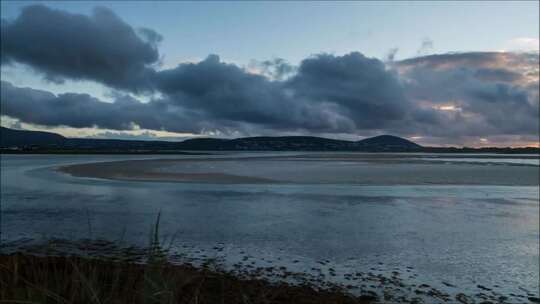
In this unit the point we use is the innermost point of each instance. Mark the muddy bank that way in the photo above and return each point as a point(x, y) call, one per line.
point(91, 270)
point(73, 279)
point(304, 169)
point(145, 170)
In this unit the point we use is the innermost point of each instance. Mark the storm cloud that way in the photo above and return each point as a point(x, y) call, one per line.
point(360, 87)
point(221, 96)
point(84, 111)
point(440, 96)
point(328, 93)
point(100, 47)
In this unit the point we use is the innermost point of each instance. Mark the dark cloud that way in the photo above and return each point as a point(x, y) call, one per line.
point(84, 111)
point(100, 47)
point(227, 93)
point(492, 93)
point(361, 88)
point(328, 93)
point(443, 96)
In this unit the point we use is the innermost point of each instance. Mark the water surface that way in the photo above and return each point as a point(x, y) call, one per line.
point(464, 235)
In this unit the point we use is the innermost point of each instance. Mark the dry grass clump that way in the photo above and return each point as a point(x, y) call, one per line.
point(32, 279)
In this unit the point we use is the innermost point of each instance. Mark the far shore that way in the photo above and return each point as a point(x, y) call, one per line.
point(105, 152)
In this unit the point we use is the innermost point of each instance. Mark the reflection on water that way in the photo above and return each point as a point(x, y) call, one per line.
point(466, 235)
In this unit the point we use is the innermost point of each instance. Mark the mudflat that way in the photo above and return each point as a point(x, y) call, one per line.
point(145, 170)
point(311, 169)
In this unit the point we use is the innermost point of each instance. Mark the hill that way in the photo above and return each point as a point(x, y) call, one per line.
point(266, 143)
point(45, 140)
point(16, 138)
point(389, 142)
point(36, 141)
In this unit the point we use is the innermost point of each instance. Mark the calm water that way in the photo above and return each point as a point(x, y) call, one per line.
point(463, 235)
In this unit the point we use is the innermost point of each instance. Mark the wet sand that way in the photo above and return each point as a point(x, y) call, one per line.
point(310, 169)
point(144, 170)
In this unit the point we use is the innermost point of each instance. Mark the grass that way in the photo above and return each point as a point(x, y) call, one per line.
point(33, 279)
point(27, 278)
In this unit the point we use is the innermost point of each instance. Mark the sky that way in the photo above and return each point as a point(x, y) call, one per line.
point(440, 73)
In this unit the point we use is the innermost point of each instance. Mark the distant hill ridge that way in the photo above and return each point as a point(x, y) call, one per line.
point(310, 143)
point(37, 141)
point(20, 138)
point(11, 137)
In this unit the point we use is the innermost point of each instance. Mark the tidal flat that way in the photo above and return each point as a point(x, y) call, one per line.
point(401, 227)
point(353, 169)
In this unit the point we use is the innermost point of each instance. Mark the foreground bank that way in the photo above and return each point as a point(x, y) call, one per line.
point(33, 279)
point(100, 271)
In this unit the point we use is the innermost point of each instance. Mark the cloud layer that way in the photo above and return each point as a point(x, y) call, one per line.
point(439, 96)
point(478, 93)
